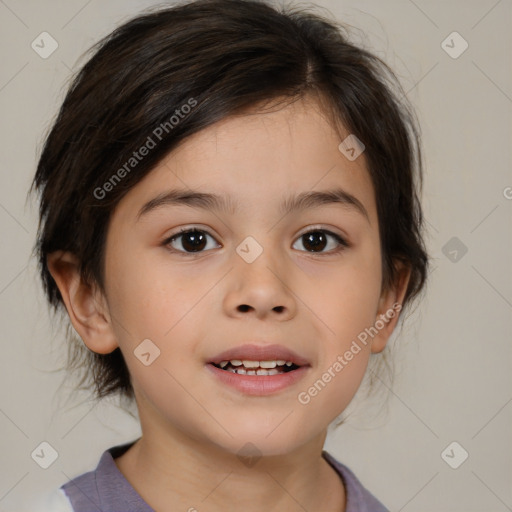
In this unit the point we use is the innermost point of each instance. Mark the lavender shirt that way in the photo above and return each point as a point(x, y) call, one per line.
point(106, 489)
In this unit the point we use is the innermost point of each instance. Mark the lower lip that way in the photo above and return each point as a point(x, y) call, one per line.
point(259, 385)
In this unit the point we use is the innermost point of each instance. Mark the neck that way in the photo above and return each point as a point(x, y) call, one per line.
point(180, 473)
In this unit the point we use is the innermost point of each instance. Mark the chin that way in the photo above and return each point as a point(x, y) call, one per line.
point(261, 441)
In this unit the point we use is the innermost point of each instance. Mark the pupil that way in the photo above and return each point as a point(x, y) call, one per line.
point(197, 241)
point(315, 239)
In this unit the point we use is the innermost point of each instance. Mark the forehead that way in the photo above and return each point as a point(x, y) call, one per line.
point(258, 158)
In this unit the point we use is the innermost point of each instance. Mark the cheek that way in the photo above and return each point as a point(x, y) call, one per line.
point(332, 389)
point(149, 298)
point(346, 296)
point(154, 302)
point(346, 302)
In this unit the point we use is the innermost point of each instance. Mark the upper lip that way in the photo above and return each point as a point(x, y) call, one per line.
point(253, 352)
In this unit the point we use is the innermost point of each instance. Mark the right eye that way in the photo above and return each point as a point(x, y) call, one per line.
point(191, 240)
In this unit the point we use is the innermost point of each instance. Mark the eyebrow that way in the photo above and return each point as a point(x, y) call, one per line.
point(208, 201)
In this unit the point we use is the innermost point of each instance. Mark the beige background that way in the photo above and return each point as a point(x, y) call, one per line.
point(453, 359)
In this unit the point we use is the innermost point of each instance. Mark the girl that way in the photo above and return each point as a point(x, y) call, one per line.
point(229, 215)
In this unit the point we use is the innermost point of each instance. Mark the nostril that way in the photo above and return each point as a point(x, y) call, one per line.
point(244, 308)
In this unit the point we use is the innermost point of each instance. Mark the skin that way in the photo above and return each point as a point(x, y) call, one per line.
point(315, 303)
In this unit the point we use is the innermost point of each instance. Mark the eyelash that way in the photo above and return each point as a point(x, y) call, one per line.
point(343, 244)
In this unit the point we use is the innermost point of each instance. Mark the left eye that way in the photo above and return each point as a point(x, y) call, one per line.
point(316, 241)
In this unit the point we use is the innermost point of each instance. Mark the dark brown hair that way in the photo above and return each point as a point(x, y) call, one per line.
point(224, 57)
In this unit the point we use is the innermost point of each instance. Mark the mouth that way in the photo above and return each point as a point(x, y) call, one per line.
point(250, 359)
point(259, 370)
point(248, 367)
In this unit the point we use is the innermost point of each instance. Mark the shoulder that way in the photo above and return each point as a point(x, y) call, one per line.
point(104, 488)
point(359, 499)
point(53, 501)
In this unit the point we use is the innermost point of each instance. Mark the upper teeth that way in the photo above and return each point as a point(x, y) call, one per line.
point(256, 364)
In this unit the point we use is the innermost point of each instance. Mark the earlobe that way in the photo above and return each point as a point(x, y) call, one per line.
point(390, 305)
point(85, 305)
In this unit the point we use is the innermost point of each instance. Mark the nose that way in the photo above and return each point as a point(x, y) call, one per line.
point(261, 288)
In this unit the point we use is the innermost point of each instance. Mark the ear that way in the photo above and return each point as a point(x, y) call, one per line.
point(390, 305)
point(86, 305)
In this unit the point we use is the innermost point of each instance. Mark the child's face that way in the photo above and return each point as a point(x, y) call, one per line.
point(195, 305)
